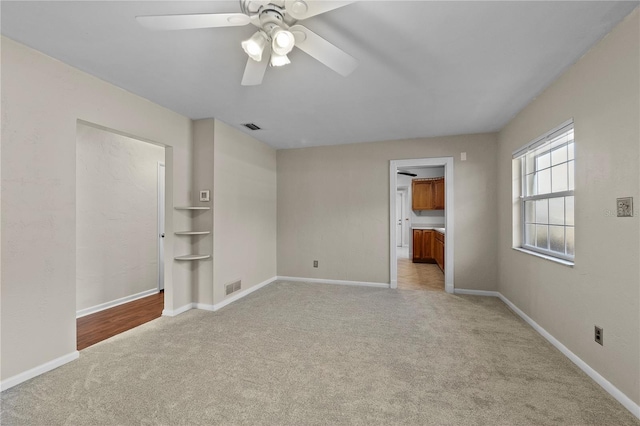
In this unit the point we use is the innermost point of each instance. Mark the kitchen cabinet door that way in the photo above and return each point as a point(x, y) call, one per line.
point(422, 194)
point(427, 194)
point(438, 194)
point(423, 245)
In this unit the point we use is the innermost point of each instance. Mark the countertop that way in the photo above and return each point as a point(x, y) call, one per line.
point(438, 228)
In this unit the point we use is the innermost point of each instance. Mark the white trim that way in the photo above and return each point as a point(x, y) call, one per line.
point(545, 256)
point(604, 383)
point(101, 307)
point(203, 306)
point(242, 294)
point(540, 139)
point(175, 312)
point(36, 371)
point(447, 162)
point(338, 282)
point(161, 213)
point(217, 306)
point(623, 399)
point(476, 292)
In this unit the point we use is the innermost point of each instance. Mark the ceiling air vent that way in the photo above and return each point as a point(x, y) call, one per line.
point(251, 126)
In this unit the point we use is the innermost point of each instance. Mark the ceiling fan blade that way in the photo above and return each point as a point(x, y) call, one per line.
point(189, 22)
point(325, 52)
point(303, 9)
point(254, 71)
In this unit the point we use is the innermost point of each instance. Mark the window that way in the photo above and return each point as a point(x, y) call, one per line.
point(546, 199)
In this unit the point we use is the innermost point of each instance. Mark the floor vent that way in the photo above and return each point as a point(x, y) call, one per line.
point(251, 126)
point(232, 287)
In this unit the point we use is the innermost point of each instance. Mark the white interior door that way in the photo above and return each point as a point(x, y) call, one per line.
point(160, 226)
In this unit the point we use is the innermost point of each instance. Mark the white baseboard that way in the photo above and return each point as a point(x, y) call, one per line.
point(203, 306)
point(173, 313)
point(606, 385)
point(101, 307)
point(623, 399)
point(217, 306)
point(340, 282)
point(36, 371)
point(476, 292)
point(242, 294)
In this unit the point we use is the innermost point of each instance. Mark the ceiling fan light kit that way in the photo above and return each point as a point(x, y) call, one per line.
point(279, 60)
point(278, 33)
point(283, 41)
point(254, 47)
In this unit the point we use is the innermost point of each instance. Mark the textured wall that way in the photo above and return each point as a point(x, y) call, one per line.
point(601, 93)
point(203, 220)
point(116, 216)
point(244, 210)
point(333, 206)
point(42, 100)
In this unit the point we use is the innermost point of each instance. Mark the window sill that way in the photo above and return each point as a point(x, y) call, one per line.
point(544, 256)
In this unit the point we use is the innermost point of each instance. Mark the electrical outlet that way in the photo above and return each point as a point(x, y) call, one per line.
point(625, 207)
point(315, 263)
point(599, 335)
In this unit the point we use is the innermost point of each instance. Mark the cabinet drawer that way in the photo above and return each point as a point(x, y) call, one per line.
point(439, 236)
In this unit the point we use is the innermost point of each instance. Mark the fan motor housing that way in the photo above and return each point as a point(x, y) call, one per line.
point(270, 13)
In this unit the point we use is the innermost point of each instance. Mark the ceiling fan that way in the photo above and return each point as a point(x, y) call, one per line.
point(278, 33)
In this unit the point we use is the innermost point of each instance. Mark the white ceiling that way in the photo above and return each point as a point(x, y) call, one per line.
point(427, 68)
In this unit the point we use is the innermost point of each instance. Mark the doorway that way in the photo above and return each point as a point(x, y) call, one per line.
point(445, 241)
point(120, 217)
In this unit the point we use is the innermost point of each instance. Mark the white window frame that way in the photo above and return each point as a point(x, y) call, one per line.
point(520, 155)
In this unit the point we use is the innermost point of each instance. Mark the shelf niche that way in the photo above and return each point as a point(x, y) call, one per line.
point(192, 257)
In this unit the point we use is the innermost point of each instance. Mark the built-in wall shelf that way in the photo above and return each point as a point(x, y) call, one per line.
point(193, 257)
point(192, 208)
point(192, 233)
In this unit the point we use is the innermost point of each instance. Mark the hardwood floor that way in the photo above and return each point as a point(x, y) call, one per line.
point(97, 327)
point(419, 276)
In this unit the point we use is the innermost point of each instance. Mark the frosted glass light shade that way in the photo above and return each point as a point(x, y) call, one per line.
point(282, 41)
point(255, 45)
point(279, 60)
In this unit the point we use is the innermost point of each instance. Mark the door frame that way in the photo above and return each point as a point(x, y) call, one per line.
point(394, 165)
point(161, 218)
point(403, 205)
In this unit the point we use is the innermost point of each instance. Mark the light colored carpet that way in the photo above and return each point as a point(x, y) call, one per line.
point(307, 354)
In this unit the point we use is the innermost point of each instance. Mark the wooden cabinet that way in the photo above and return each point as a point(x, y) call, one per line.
point(421, 194)
point(438, 194)
point(423, 245)
point(438, 249)
point(427, 194)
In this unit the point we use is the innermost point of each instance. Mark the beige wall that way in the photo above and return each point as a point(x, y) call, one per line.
point(333, 206)
point(244, 210)
point(203, 147)
point(42, 99)
point(116, 216)
point(602, 94)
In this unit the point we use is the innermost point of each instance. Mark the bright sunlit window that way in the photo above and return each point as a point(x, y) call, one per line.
point(546, 195)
